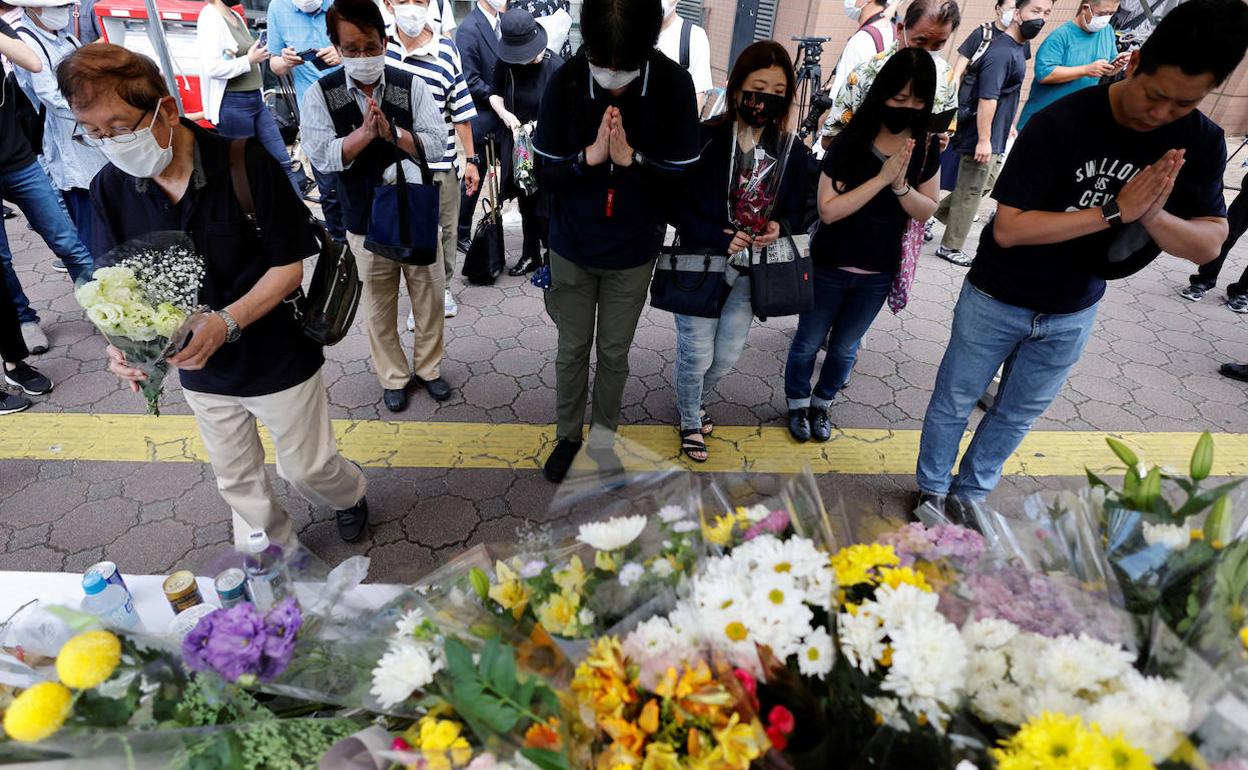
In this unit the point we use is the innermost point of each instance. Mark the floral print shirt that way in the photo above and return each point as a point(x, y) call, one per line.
point(860, 80)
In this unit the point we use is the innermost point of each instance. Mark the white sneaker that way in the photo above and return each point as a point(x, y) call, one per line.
point(411, 322)
point(59, 266)
point(448, 301)
point(36, 340)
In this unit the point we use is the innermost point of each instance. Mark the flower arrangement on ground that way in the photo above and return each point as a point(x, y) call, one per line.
point(142, 302)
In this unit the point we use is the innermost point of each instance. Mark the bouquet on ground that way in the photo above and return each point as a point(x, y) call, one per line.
point(142, 302)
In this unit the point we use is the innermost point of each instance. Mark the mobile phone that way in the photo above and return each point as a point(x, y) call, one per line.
point(941, 121)
point(264, 38)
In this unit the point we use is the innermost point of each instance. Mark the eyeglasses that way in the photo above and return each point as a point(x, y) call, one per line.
point(360, 53)
point(118, 135)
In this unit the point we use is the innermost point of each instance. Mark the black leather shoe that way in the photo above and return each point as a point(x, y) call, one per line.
point(1235, 371)
point(820, 424)
point(354, 521)
point(395, 399)
point(927, 507)
point(799, 425)
point(560, 460)
point(437, 388)
point(8, 213)
point(525, 266)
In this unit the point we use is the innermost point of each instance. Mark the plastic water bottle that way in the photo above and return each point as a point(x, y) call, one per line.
point(109, 602)
point(266, 571)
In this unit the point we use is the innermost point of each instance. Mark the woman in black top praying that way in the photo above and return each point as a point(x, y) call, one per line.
point(878, 174)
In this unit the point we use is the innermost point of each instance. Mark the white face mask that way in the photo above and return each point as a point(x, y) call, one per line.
point(1007, 17)
point(1098, 23)
point(364, 69)
point(497, 5)
point(308, 6)
point(55, 18)
point(613, 80)
point(142, 156)
point(852, 10)
point(669, 8)
point(410, 19)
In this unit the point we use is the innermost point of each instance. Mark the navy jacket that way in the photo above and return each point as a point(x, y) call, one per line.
point(702, 215)
point(478, 51)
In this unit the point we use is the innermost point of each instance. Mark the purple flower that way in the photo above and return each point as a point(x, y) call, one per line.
point(775, 524)
point(281, 628)
point(915, 542)
point(229, 642)
point(195, 643)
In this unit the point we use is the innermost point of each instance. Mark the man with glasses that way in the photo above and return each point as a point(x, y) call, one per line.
point(247, 359)
point(24, 184)
point(357, 122)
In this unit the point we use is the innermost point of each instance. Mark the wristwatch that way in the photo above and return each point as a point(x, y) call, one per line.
point(474, 160)
point(232, 330)
point(1112, 214)
point(638, 158)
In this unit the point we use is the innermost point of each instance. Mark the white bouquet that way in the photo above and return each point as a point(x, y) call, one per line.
point(142, 303)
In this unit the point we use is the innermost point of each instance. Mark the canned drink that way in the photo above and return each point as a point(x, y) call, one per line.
point(231, 587)
point(185, 621)
point(108, 570)
point(182, 591)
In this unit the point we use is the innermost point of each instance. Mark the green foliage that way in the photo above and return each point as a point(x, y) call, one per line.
point(1146, 493)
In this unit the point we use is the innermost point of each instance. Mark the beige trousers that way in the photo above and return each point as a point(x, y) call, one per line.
point(307, 455)
point(380, 306)
point(448, 220)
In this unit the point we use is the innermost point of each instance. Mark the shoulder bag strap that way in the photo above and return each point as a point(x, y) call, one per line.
point(242, 187)
point(876, 36)
point(686, 38)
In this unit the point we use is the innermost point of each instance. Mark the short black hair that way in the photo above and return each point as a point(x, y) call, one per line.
point(362, 13)
point(943, 11)
point(1199, 37)
point(620, 34)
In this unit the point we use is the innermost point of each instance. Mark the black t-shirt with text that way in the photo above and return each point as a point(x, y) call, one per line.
point(972, 42)
point(997, 75)
point(273, 353)
point(870, 238)
point(1071, 156)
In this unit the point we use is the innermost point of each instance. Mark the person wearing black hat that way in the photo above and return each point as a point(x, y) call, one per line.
point(524, 69)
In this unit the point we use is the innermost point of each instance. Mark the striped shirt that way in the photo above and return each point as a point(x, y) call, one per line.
point(437, 63)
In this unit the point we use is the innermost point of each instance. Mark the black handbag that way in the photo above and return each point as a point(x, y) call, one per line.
point(403, 225)
point(782, 277)
point(690, 281)
point(326, 311)
point(486, 255)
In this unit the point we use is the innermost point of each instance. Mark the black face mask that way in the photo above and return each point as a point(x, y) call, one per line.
point(758, 108)
point(1030, 28)
point(898, 119)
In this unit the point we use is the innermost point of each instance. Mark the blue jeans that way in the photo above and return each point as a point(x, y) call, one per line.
point(327, 185)
point(1037, 350)
point(243, 115)
point(78, 204)
point(707, 349)
point(845, 305)
point(30, 190)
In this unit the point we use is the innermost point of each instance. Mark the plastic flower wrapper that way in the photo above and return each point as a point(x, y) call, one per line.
point(141, 298)
point(626, 542)
point(695, 716)
point(1219, 630)
point(526, 180)
point(756, 176)
point(746, 506)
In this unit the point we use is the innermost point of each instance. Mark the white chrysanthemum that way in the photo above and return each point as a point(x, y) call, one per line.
point(612, 534)
point(928, 667)
point(890, 712)
point(672, 513)
point(409, 624)
point(1002, 703)
point(985, 668)
point(657, 645)
point(821, 588)
point(630, 573)
point(1150, 713)
point(779, 601)
point(586, 617)
point(403, 670)
point(816, 655)
point(686, 526)
point(862, 640)
point(1084, 663)
point(756, 513)
point(662, 568)
point(989, 633)
point(1173, 536)
point(893, 605)
point(1053, 699)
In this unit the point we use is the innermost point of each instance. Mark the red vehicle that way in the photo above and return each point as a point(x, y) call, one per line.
point(125, 23)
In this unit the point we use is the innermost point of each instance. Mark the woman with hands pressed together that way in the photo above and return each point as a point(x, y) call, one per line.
point(760, 94)
point(617, 131)
point(879, 173)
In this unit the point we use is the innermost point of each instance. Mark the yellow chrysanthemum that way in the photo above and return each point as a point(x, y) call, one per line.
point(854, 565)
point(720, 532)
point(441, 743)
point(897, 576)
point(1122, 755)
point(38, 712)
point(88, 660)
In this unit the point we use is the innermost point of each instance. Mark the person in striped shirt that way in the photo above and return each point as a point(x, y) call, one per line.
point(435, 59)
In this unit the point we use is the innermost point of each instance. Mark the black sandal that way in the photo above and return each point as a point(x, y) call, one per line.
point(688, 446)
point(708, 425)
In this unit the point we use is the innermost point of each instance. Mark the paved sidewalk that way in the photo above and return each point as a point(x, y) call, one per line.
point(1151, 366)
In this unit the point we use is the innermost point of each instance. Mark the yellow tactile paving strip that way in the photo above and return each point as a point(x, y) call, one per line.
point(173, 438)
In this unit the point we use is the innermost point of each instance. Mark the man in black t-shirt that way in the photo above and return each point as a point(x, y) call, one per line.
point(987, 105)
point(1097, 185)
point(247, 359)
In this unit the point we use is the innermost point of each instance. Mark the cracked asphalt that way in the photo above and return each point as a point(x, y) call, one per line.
point(1151, 366)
